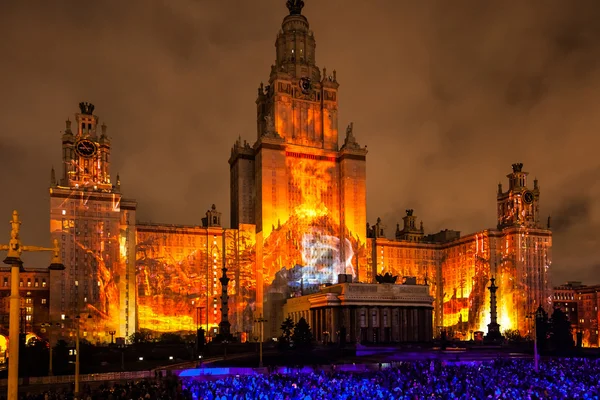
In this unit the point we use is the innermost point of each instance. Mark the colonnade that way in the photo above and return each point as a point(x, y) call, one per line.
point(370, 324)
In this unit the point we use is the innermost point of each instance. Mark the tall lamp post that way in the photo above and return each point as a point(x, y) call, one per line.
point(260, 320)
point(77, 362)
point(13, 258)
point(50, 326)
point(112, 336)
point(200, 346)
point(535, 316)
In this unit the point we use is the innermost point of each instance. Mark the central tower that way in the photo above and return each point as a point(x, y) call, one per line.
point(301, 101)
point(304, 193)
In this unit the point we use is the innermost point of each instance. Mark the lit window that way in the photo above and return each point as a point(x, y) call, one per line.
point(43, 283)
point(64, 212)
point(44, 301)
point(28, 317)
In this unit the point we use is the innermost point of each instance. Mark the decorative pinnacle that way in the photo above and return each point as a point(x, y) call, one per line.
point(295, 6)
point(86, 108)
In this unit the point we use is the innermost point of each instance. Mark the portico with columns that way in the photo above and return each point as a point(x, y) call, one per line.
point(370, 313)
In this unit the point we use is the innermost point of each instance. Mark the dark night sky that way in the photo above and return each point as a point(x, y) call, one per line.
point(447, 95)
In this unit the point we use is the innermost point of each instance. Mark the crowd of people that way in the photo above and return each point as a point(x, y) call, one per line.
point(160, 389)
point(500, 379)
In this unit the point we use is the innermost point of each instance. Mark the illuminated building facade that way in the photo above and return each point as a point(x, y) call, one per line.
point(298, 215)
point(34, 287)
point(305, 194)
point(582, 305)
point(178, 271)
point(458, 268)
point(95, 227)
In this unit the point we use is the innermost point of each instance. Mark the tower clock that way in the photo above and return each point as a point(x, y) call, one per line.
point(519, 205)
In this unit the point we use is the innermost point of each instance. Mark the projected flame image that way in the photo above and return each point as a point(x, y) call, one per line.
point(177, 279)
point(312, 240)
point(458, 271)
point(298, 222)
point(96, 238)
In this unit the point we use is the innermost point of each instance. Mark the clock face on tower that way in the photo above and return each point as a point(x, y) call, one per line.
point(305, 85)
point(86, 148)
point(528, 197)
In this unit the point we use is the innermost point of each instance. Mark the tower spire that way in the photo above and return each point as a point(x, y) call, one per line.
point(52, 177)
point(295, 6)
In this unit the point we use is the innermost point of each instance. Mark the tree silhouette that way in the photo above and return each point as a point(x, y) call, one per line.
point(60, 358)
point(171, 338)
point(541, 328)
point(302, 336)
point(143, 336)
point(287, 329)
point(513, 336)
point(560, 330)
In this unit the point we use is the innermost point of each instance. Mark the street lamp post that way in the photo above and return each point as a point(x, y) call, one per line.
point(112, 336)
point(50, 326)
point(535, 316)
point(535, 345)
point(13, 258)
point(77, 362)
point(260, 320)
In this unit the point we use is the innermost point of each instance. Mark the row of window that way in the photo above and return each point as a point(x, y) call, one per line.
point(29, 282)
point(29, 300)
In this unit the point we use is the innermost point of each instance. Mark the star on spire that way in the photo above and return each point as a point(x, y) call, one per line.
point(295, 6)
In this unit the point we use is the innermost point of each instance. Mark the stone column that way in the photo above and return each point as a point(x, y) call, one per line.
point(404, 325)
point(224, 325)
point(335, 324)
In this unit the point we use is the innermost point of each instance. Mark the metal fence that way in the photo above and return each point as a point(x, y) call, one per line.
point(62, 379)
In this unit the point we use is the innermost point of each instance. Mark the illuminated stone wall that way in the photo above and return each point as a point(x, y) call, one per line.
point(404, 258)
point(310, 231)
point(96, 232)
point(176, 275)
point(458, 273)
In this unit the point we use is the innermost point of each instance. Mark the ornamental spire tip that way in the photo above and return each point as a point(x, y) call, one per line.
point(295, 6)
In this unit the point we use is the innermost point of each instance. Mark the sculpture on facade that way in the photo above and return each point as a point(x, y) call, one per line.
point(386, 278)
point(269, 124)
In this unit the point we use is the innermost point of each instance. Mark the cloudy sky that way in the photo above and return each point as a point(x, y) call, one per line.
point(446, 94)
